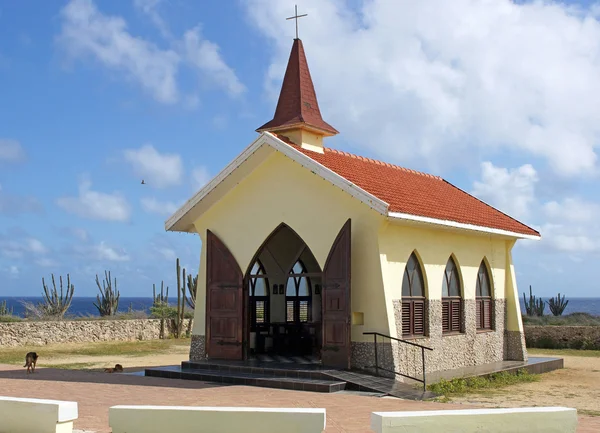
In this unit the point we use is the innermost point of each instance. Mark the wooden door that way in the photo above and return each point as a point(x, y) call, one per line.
point(336, 303)
point(224, 302)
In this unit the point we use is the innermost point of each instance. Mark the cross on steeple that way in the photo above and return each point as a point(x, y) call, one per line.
point(295, 17)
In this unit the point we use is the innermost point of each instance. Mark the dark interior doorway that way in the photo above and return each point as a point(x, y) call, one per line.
point(283, 288)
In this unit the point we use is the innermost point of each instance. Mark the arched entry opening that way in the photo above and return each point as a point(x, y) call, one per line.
point(295, 309)
point(283, 287)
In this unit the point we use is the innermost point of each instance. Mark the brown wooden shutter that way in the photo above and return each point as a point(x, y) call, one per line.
point(418, 318)
point(479, 312)
point(445, 316)
point(455, 316)
point(487, 310)
point(406, 319)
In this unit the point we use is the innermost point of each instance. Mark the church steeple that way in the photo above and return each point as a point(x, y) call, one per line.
point(297, 115)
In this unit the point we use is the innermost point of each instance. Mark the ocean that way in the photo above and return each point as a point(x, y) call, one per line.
point(83, 306)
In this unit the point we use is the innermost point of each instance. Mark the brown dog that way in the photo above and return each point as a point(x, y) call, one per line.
point(30, 361)
point(118, 369)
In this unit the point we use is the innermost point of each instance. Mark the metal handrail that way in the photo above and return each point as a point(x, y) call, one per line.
point(423, 348)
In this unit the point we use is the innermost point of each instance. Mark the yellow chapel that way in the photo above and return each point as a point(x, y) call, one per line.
point(311, 254)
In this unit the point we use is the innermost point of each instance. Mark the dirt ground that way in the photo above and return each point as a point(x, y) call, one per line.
point(577, 385)
point(129, 362)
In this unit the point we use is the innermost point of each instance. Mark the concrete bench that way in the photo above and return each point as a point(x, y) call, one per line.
point(184, 419)
point(31, 415)
point(518, 420)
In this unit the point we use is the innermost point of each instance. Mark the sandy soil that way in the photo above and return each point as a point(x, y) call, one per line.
point(577, 385)
point(129, 363)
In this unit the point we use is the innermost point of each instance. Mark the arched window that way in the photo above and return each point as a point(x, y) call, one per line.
point(451, 299)
point(298, 295)
point(259, 297)
point(483, 293)
point(413, 299)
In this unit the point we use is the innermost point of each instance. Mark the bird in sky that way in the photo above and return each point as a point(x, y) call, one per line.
point(143, 182)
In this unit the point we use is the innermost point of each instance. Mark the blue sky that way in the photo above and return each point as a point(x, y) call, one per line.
point(500, 99)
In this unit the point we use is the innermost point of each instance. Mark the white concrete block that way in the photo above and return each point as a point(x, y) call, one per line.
point(517, 420)
point(31, 415)
point(184, 419)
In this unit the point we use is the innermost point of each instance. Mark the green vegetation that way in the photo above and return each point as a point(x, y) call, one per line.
point(553, 343)
point(573, 319)
point(16, 355)
point(535, 307)
point(10, 319)
point(7, 314)
point(588, 412)
point(557, 305)
point(54, 306)
point(108, 299)
point(476, 384)
point(565, 352)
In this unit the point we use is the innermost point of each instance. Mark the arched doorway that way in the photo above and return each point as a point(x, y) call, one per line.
point(283, 287)
point(305, 311)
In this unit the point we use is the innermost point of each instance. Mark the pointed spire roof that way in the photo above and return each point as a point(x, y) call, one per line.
point(297, 105)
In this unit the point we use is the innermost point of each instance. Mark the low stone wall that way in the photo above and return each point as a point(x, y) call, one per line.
point(80, 331)
point(563, 337)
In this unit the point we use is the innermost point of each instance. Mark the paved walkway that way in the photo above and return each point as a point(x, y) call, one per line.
point(96, 392)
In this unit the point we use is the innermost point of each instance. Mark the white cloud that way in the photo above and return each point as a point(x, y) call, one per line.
point(152, 205)
point(149, 7)
point(13, 271)
point(205, 56)
point(441, 81)
point(571, 225)
point(158, 170)
point(87, 31)
point(200, 177)
point(96, 205)
point(46, 262)
point(80, 234)
point(11, 204)
point(11, 151)
point(572, 209)
point(101, 252)
point(510, 191)
point(36, 246)
point(17, 248)
point(166, 253)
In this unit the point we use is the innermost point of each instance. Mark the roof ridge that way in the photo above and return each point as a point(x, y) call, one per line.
point(386, 164)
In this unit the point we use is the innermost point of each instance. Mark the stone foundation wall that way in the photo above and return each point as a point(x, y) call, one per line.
point(17, 334)
point(576, 337)
point(469, 348)
point(198, 348)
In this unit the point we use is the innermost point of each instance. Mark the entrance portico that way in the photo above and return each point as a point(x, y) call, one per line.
point(284, 304)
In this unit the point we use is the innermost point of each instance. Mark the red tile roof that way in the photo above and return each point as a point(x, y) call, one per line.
point(297, 102)
point(415, 193)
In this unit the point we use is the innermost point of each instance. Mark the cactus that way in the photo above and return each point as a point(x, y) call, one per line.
point(535, 307)
point(191, 289)
point(161, 298)
point(557, 305)
point(160, 306)
point(178, 323)
point(108, 299)
point(4, 310)
point(54, 305)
